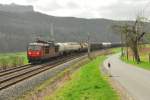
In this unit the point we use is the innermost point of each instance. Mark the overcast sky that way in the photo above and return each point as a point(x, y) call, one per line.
point(112, 9)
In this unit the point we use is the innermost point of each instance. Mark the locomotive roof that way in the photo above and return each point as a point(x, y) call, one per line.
point(39, 44)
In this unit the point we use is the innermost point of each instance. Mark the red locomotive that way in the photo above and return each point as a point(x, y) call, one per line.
point(40, 50)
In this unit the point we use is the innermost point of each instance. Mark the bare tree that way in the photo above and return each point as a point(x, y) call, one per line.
point(133, 34)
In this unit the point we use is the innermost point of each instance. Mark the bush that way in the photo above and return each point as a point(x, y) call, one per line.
point(4, 63)
point(21, 61)
point(14, 61)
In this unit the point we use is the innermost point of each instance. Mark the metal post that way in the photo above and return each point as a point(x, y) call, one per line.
point(149, 57)
point(127, 53)
point(122, 45)
point(89, 46)
point(52, 33)
point(127, 47)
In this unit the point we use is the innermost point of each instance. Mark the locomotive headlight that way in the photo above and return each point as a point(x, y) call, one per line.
point(37, 53)
point(29, 53)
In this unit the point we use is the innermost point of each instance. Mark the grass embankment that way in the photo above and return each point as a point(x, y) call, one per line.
point(13, 59)
point(87, 83)
point(116, 50)
point(144, 52)
point(143, 64)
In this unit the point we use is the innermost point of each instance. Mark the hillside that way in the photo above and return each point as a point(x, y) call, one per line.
point(15, 8)
point(21, 27)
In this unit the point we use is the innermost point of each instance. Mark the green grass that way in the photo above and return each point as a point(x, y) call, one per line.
point(116, 50)
point(144, 59)
point(143, 64)
point(9, 57)
point(86, 84)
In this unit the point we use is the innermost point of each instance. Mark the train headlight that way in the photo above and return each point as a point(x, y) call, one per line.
point(37, 53)
point(29, 53)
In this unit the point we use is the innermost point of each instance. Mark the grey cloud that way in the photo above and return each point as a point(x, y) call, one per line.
point(50, 6)
point(31, 1)
point(72, 5)
point(86, 14)
point(122, 10)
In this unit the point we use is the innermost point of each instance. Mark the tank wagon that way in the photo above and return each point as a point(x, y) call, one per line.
point(96, 46)
point(68, 47)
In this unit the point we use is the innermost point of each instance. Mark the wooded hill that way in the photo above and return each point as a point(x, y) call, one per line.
point(19, 28)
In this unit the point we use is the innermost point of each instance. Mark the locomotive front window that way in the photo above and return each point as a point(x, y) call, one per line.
point(34, 47)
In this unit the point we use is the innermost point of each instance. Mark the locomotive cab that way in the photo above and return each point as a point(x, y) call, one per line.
point(34, 52)
point(41, 51)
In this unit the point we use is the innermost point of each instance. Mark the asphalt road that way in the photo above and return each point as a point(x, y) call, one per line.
point(135, 80)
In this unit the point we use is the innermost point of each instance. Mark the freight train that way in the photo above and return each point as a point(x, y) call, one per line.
point(40, 50)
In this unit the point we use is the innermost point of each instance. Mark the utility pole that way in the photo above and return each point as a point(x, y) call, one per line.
point(122, 45)
point(89, 46)
point(33, 37)
point(127, 46)
point(52, 32)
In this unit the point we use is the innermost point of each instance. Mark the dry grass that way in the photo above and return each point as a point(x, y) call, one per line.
point(144, 52)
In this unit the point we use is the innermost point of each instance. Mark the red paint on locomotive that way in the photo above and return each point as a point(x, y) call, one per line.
point(33, 54)
point(40, 51)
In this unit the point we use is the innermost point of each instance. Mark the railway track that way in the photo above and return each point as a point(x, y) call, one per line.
point(15, 69)
point(18, 74)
